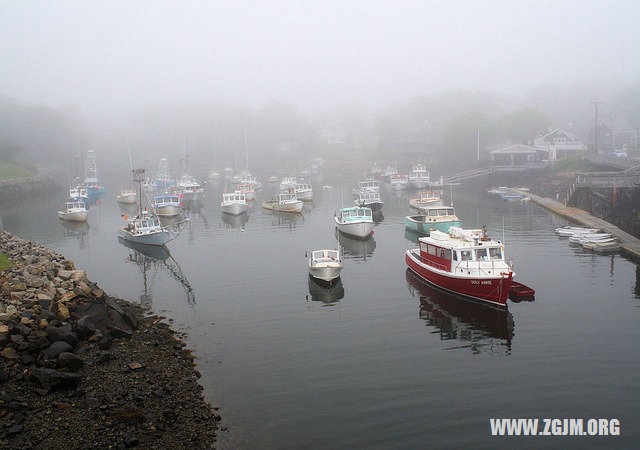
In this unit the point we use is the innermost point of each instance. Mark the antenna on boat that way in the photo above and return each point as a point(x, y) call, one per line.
point(129, 150)
point(502, 230)
point(451, 187)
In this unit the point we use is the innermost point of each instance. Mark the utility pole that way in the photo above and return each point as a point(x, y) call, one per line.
point(596, 103)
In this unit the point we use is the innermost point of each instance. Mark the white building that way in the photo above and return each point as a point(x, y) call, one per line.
point(559, 143)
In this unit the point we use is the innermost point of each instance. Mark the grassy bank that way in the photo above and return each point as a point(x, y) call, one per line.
point(10, 171)
point(5, 262)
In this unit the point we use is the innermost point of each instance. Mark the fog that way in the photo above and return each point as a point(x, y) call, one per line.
point(195, 74)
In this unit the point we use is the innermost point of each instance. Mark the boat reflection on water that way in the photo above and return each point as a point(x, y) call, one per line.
point(412, 235)
point(353, 248)
point(156, 258)
point(231, 221)
point(282, 219)
point(324, 292)
point(77, 230)
point(481, 328)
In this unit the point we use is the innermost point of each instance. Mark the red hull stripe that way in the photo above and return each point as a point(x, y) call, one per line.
point(495, 293)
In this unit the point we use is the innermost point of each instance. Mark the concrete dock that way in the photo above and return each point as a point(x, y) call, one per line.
point(630, 245)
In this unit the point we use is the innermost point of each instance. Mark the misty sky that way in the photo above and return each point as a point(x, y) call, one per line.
point(125, 54)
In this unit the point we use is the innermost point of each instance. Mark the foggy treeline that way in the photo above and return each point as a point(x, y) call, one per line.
point(214, 133)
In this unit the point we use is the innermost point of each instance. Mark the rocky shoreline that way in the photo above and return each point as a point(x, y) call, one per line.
point(81, 369)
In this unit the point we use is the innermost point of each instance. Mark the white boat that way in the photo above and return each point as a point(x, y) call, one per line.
point(367, 185)
point(571, 231)
point(325, 265)
point(168, 205)
point(288, 183)
point(75, 211)
point(127, 197)
point(248, 190)
point(592, 237)
point(419, 177)
point(389, 171)
point(605, 246)
point(189, 188)
point(78, 194)
point(273, 179)
point(399, 182)
point(354, 221)
point(253, 181)
point(146, 230)
point(427, 198)
point(213, 174)
point(234, 203)
point(326, 187)
point(286, 202)
point(369, 199)
point(304, 191)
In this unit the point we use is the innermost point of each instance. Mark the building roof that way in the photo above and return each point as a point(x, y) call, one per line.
point(524, 149)
point(556, 133)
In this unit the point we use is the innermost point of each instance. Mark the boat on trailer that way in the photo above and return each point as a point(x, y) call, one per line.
point(325, 265)
point(465, 262)
point(285, 202)
point(75, 211)
point(432, 218)
point(355, 221)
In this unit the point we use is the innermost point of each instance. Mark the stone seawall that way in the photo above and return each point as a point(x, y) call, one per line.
point(40, 185)
point(80, 369)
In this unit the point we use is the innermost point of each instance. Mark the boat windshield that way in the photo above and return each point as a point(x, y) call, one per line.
point(465, 255)
point(332, 254)
point(495, 253)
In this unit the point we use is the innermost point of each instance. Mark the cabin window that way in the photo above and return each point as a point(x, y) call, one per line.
point(423, 247)
point(332, 254)
point(481, 254)
point(455, 255)
point(446, 253)
point(465, 255)
point(442, 212)
point(433, 212)
point(432, 249)
point(495, 253)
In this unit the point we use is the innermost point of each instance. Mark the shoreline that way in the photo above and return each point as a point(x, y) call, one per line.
point(630, 244)
point(81, 369)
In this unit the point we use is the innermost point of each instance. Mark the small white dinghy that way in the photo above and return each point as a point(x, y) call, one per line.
point(74, 212)
point(325, 265)
point(285, 202)
point(582, 238)
point(572, 231)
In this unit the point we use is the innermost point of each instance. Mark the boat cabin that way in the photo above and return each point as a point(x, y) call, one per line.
point(466, 254)
point(167, 200)
point(368, 185)
point(74, 206)
point(325, 256)
point(144, 225)
point(419, 168)
point(433, 213)
point(353, 214)
point(368, 196)
point(234, 197)
point(287, 198)
point(78, 192)
point(303, 187)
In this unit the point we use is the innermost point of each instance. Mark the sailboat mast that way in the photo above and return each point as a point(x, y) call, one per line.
point(246, 149)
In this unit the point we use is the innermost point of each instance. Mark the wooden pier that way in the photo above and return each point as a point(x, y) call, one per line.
point(630, 244)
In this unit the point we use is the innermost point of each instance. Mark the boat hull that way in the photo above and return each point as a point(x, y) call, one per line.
point(168, 211)
point(289, 207)
point(494, 291)
point(427, 227)
point(235, 209)
point(419, 184)
point(159, 238)
point(326, 274)
point(376, 207)
point(79, 216)
point(305, 195)
point(358, 229)
point(129, 199)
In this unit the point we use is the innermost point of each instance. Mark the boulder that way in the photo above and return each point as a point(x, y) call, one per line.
point(63, 312)
point(55, 334)
point(54, 379)
point(70, 361)
point(55, 349)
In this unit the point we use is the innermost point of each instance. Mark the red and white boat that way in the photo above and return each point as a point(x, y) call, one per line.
point(465, 262)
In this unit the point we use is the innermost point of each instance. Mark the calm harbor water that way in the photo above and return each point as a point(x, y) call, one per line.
point(381, 360)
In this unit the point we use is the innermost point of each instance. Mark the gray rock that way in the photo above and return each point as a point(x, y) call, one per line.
point(55, 349)
point(70, 361)
point(55, 334)
point(54, 379)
